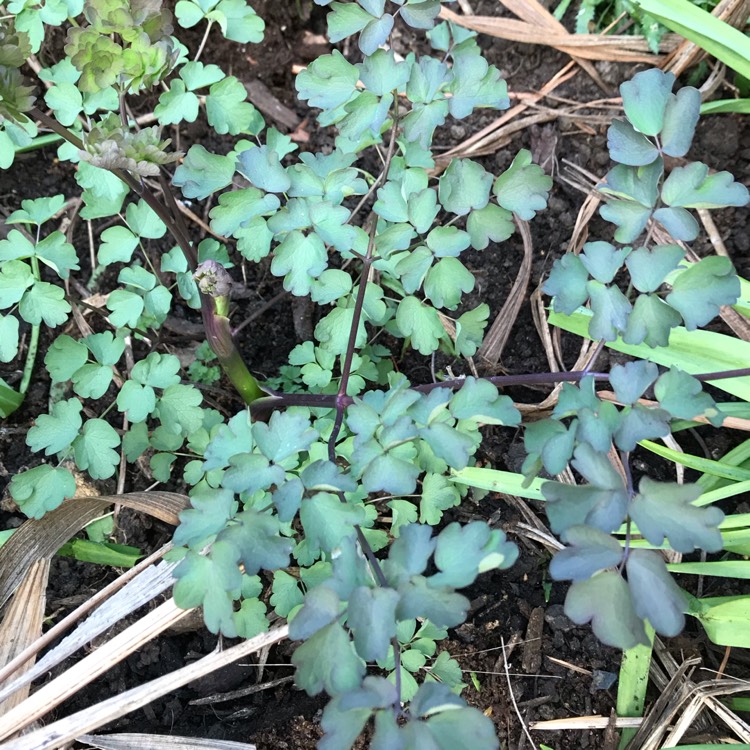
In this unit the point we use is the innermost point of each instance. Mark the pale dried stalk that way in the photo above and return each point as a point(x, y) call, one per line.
point(67, 729)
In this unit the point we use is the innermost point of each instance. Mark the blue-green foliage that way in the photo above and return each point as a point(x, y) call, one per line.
point(664, 291)
point(298, 506)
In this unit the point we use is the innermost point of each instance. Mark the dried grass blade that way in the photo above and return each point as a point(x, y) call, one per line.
point(141, 590)
point(70, 619)
point(22, 623)
point(496, 338)
point(40, 538)
point(67, 729)
point(89, 668)
point(131, 741)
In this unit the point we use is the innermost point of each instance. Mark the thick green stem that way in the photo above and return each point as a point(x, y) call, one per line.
point(215, 322)
point(215, 286)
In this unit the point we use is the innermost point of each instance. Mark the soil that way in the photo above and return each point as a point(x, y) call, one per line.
point(555, 668)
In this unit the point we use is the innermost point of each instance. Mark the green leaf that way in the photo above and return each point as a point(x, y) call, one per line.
point(286, 593)
point(372, 620)
point(103, 192)
point(66, 101)
point(589, 550)
point(328, 82)
point(446, 282)
point(447, 241)
point(321, 607)
point(602, 260)
point(693, 187)
point(611, 310)
point(409, 554)
point(419, 125)
point(631, 380)
point(94, 449)
point(179, 409)
point(656, 596)
point(463, 725)
point(118, 244)
point(327, 661)
point(649, 268)
point(286, 434)
point(207, 581)
point(8, 337)
point(420, 324)
point(202, 173)
point(256, 536)
point(157, 370)
point(345, 20)
point(683, 397)
point(679, 222)
point(639, 184)
point(602, 505)
point(464, 186)
point(143, 221)
point(326, 521)
point(627, 146)
point(438, 494)
point(470, 330)
point(126, 308)
point(228, 440)
point(698, 292)
point(680, 118)
point(177, 104)
point(196, 75)
point(239, 22)
point(56, 431)
point(440, 605)
point(567, 284)
point(44, 302)
point(42, 489)
point(630, 217)
point(523, 187)
point(645, 97)
point(420, 15)
point(381, 74)
point(92, 381)
point(37, 210)
point(228, 112)
point(475, 84)
point(238, 208)
point(479, 400)
point(650, 321)
point(489, 223)
point(462, 552)
point(136, 401)
point(299, 258)
point(604, 601)
point(666, 510)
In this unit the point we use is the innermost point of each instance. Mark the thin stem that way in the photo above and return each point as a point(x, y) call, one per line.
point(203, 41)
point(625, 460)
point(28, 366)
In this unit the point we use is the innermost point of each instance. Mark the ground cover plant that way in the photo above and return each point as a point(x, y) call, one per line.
point(288, 494)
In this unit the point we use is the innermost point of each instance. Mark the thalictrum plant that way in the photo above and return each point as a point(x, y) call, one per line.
point(323, 500)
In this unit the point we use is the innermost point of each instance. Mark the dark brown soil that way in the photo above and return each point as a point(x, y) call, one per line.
point(555, 669)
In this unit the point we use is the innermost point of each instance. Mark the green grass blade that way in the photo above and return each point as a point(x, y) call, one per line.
point(721, 568)
point(715, 36)
point(494, 480)
point(10, 399)
point(705, 465)
point(633, 682)
point(724, 618)
point(720, 106)
point(691, 351)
